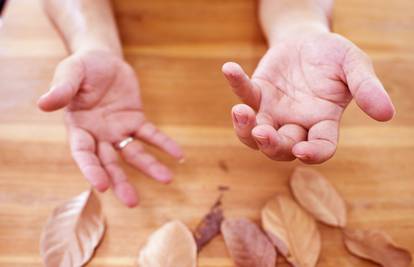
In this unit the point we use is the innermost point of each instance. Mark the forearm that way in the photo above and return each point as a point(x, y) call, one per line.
point(282, 18)
point(85, 25)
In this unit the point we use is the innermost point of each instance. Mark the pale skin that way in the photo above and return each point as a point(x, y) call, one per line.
point(99, 92)
point(294, 101)
point(292, 104)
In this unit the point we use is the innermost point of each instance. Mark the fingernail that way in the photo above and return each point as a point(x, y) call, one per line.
point(100, 186)
point(394, 113)
point(161, 173)
point(48, 92)
point(302, 156)
point(263, 141)
point(240, 119)
point(45, 95)
point(52, 88)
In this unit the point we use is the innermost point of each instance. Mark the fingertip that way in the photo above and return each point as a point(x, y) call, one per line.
point(374, 101)
point(44, 102)
point(231, 69)
point(174, 150)
point(311, 153)
point(97, 177)
point(235, 74)
point(244, 120)
point(131, 204)
point(100, 186)
point(301, 151)
point(179, 156)
point(263, 130)
point(272, 143)
point(161, 173)
point(242, 109)
point(386, 113)
point(56, 98)
point(264, 135)
point(242, 115)
point(241, 84)
point(127, 194)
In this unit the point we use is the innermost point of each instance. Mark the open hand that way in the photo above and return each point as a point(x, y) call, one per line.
point(295, 99)
point(101, 94)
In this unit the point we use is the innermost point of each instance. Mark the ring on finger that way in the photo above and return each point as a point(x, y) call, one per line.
point(123, 143)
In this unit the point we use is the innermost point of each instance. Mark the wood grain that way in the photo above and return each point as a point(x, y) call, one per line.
point(177, 48)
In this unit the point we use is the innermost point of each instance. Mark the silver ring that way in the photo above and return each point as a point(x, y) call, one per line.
point(122, 144)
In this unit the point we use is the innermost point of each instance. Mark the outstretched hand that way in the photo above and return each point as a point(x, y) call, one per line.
point(100, 93)
point(295, 99)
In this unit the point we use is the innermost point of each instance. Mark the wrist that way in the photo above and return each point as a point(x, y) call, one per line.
point(84, 45)
point(296, 30)
point(92, 26)
point(98, 53)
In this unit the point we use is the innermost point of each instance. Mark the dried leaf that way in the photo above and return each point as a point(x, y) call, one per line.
point(223, 188)
point(315, 194)
point(172, 245)
point(209, 226)
point(376, 246)
point(247, 244)
point(292, 231)
point(73, 231)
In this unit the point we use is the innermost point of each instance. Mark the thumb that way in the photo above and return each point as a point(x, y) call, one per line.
point(241, 84)
point(365, 86)
point(66, 83)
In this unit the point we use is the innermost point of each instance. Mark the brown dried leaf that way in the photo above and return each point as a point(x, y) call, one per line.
point(292, 231)
point(376, 246)
point(73, 231)
point(209, 226)
point(172, 245)
point(318, 196)
point(247, 244)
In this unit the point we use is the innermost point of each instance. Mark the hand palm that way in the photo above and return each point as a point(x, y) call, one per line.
point(304, 81)
point(299, 91)
point(103, 107)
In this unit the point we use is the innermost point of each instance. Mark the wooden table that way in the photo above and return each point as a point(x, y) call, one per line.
point(177, 48)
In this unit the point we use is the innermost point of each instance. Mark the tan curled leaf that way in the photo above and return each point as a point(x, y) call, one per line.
point(293, 231)
point(172, 245)
point(247, 244)
point(73, 231)
point(209, 226)
point(376, 246)
point(318, 196)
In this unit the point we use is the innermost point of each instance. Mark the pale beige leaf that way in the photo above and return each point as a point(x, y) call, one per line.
point(293, 231)
point(376, 246)
point(247, 244)
point(73, 231)
point(172, 245)
point(318, 196)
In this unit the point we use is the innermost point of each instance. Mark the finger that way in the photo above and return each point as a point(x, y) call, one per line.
point(244, 121)
point(149, 133)
point(263, 118)
point(321, 144)
point(66, 82)
point(135, 155)
point(277, 144)
point(83, 149)
point(124, 190)
point(241, 84)
point(365, 86)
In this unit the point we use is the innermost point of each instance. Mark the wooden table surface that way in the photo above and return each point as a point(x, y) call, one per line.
point(177, 48)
